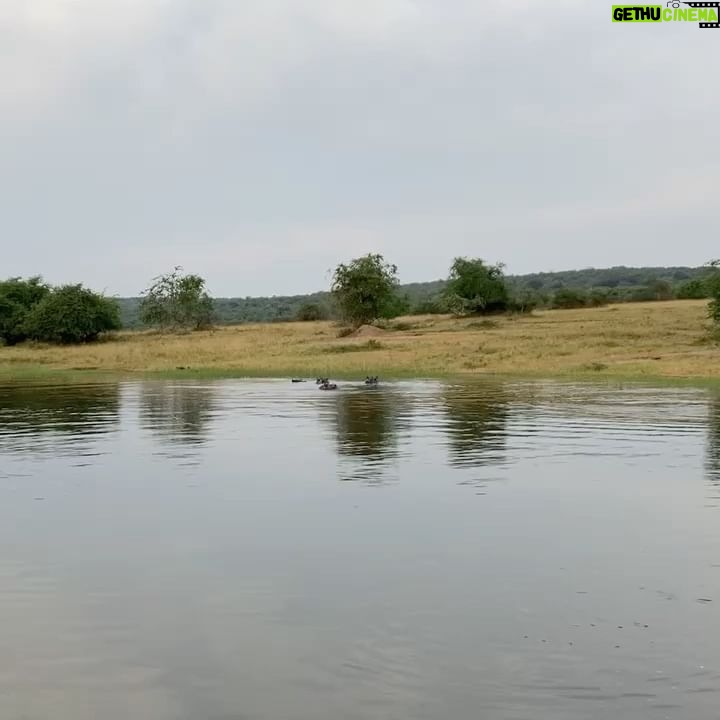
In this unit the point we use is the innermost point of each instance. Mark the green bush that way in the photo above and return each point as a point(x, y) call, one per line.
point(428, 306)
point(310, 312)
point(395, 306)
point(365, 290)
point(598, 298)
point(712, 283)
point(12, 321)
point(524, 301)
point(661, 290)
point(642, 294)
point(178, 302)
point(17, 298)
point(567, 298)
point(692, 290)
point(474, 288)
point(72, 314)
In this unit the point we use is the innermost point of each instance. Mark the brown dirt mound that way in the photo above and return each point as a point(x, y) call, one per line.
point(367, 331)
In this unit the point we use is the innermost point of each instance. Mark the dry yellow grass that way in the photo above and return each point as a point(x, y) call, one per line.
point(652, 340)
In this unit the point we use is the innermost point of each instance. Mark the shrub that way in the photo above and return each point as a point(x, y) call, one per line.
point(712, 283)
point(598, 298)
point(177, 301)
point(523, 302)
point(17, 298)
point(692, 290)
point(395, 306)
point(567, 298)
point(475, 288)
point(661, 290)
point(365, 289)
point(428, 306)
point(310, 312)
point(72, 314)
point(643, 294)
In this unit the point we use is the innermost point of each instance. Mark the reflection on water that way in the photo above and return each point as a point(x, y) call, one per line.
point(477, 415)
point(369, 424)
point(56, 418)
point(178, 416)
point(178, 413)
point(712, 453)
point(190, 551)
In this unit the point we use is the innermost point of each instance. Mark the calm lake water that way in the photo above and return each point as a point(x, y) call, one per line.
point(266, 551)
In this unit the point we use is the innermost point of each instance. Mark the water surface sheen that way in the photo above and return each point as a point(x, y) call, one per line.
point(265, 551)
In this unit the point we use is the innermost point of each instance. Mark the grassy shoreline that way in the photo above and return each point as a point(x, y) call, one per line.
point(665, 343)
point(37, 375)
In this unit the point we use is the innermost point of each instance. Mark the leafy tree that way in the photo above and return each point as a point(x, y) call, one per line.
point(310, 312)
point(24, 292)
point(692, 290)
point(597, 298)
point(365, 289)
point(657, 290)
point(567, 298)
point(428, 306)
point(177, 301)
point(17, 298)
point(72, 314)
point(661, 290)
point(12, 321)
point(397, 305)
point(523, 301)
point(476, 288)
point(712, 283)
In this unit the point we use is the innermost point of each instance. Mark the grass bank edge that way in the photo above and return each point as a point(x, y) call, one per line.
point(43, 374)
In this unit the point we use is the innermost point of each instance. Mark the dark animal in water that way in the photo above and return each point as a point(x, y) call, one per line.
point(328, 386)
point(295, 380)
point(371, 380)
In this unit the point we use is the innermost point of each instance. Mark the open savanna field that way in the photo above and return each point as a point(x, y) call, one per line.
point(635, 340)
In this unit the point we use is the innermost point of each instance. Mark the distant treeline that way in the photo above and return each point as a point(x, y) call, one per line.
point(569, 288)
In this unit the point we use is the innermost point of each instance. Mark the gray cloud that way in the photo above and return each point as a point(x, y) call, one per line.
point(261, 143)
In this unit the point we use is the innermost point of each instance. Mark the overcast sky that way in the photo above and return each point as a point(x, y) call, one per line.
point(261, 142)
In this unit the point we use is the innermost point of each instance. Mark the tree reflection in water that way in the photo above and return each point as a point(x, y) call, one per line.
point(178, 414)
point(712, 447)
point(368, 423)
point(33, 417)
point(476, 419)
